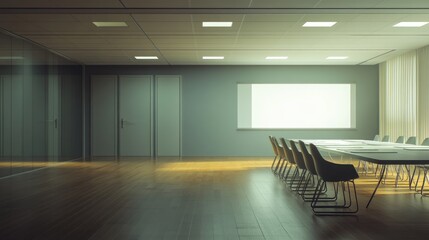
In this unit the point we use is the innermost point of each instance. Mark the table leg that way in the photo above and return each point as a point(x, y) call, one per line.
point(383, 169)
point(410, 178)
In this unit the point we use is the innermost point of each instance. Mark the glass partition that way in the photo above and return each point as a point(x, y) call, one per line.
point(40, 102)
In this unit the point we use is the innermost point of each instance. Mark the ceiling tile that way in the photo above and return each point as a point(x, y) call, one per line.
point(103, 17)
point(61, 4)
point(37, 17)
point(283, 3)
point(217, 17)
point(173, 42)
point(162, 17)
point(167, 27)
point(348, 3)
point(380, 17)
point(156, 3)
point(404, 4)
point(328, 17)
point(21, 27)
point(265, 27)
point(219, 3)
point(273, 17)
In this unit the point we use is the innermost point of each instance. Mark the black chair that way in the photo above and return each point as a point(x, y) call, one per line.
point(281, 156)
point(275, 150)
point(332, 172)
point(311, 176)
point(299, 160)
point(278, 154)
point(290, 161)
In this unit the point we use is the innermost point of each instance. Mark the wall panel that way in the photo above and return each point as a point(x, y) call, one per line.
point(209, 103)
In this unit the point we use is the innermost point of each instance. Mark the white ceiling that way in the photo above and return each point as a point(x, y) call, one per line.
point(171, 30)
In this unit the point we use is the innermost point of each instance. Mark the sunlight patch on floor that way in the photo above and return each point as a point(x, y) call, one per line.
point(209, 166)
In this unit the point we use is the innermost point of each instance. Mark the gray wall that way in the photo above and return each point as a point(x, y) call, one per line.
point(209, 103)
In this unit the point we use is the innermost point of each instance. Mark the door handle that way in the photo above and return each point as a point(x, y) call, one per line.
point(122, 123)
point(56, 123)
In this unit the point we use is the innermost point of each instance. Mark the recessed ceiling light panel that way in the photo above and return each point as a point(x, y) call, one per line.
point(337, 58)
point(276, 58)
point(146, 57)
point(410, 24)
point(110, 24)
point(217, 24)
point(213, 57)
point(319, 24)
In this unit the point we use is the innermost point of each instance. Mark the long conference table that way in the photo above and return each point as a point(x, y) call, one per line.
point(382, 153)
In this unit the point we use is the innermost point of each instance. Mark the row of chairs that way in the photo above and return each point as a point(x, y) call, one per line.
point(400, 139)
point(400, 170)
point(404, 172)
point(308, 173)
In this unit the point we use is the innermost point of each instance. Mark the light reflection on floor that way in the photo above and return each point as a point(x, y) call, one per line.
point(365, 184)
point(208, 166)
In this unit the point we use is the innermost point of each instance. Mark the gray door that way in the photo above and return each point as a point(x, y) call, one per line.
point(135, 108)
point(104, 115)
point(53, 119)
point(6, 125)
point(39, 120)
point(168, 115)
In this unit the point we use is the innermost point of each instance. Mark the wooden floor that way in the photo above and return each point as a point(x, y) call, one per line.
point(193, 198)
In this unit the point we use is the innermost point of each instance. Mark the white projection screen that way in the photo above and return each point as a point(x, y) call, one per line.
point(302, 106)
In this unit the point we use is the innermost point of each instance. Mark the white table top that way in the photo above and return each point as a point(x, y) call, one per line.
point(375, 152)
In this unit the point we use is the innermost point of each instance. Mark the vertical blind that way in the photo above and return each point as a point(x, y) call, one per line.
point(423, 93)
point(404, 88)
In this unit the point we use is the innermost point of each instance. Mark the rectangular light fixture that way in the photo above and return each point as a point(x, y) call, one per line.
point(110, 24)
point(319, 24)
point(213, 57)
point(410, 24)
point(337, 58)
point(146, 57)
point(276, 58)
point(217, 24)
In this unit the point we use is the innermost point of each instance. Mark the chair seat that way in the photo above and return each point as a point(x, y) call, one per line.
point(332, 172)
point(341, 172)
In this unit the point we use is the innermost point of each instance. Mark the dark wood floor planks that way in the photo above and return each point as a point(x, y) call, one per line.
point(195, 198)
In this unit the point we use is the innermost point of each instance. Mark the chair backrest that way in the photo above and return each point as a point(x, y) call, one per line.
point(308, 159)
point(319, 162)
point(297, 156)
point(400, 139)
point(288, 153)
point(376, 138)
point(425, 142)
point(278, 147)
point(332, 172)
point(411, 140)
point(385, 138)
point(275, 150)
